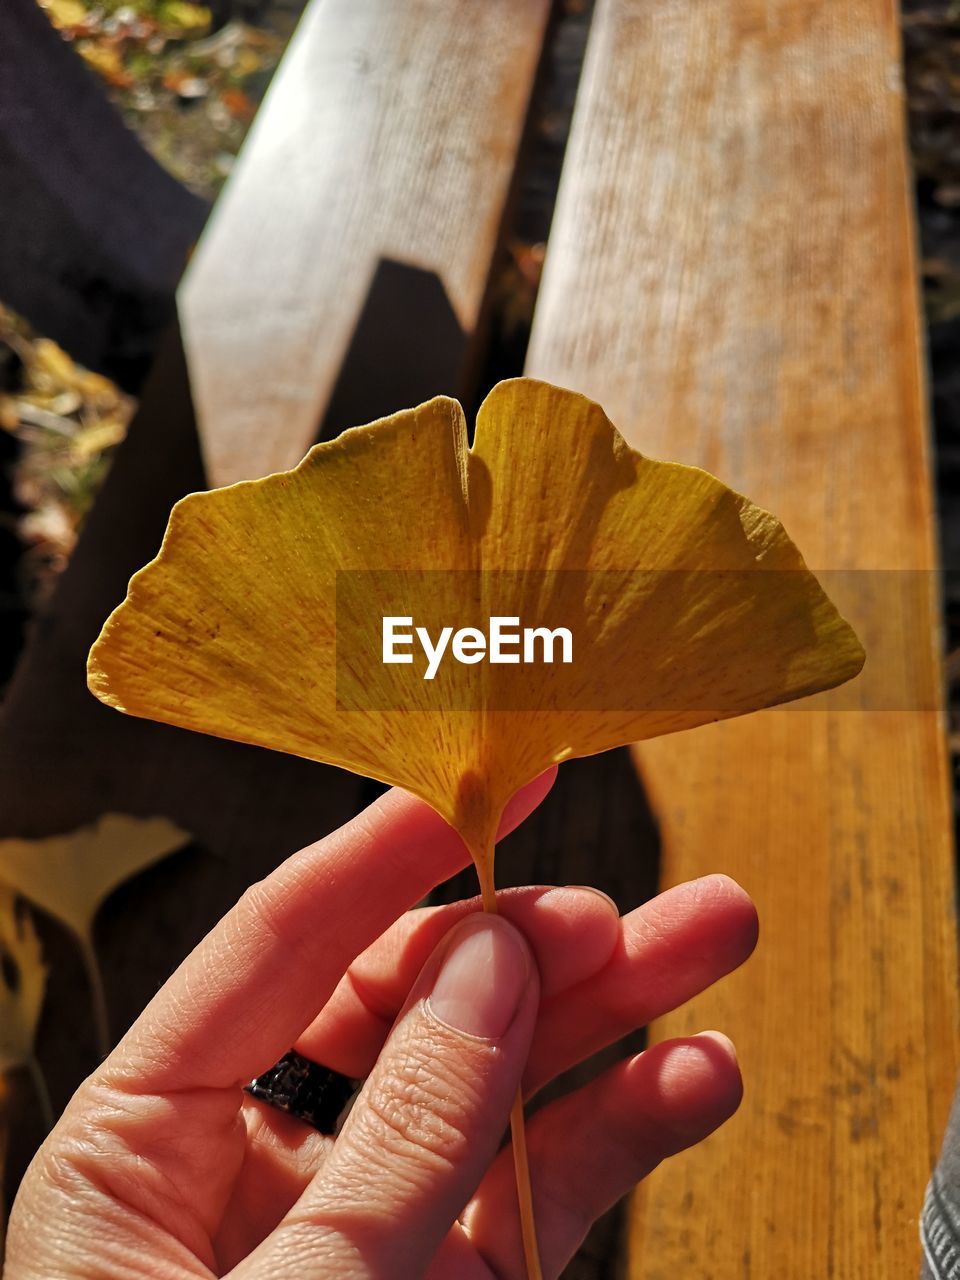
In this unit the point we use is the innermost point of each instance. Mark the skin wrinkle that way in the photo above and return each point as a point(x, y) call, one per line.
point(101, 1156)
point(420, 1094)
point(61, 1168)
point(264, 909)
point(260, 1119)
point(485, 1259)
point(225, 1099)
point(677, 910)
point(423, 1109)
point(407, 855)
point(315, 1252)
point(378, 1008)
point(530, 905)
point(153, 1053)
point(639, 943)
point(580, 1143)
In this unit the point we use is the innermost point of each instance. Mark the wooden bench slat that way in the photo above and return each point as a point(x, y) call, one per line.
point(730, 273)
point(389, 136)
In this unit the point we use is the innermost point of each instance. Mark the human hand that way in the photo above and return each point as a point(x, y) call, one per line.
point(161, 1165)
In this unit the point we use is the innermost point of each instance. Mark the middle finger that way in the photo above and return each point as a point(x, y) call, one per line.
point(598, 986)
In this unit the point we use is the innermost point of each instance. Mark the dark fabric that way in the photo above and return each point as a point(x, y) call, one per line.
point(940, 1220)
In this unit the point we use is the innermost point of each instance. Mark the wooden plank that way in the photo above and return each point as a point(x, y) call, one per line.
point(95, 232)
point(731, 274)
point(388, 138)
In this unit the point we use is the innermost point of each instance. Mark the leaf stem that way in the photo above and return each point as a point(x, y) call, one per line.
point(521, 1165)
point(518, 1132)
point(98, 995)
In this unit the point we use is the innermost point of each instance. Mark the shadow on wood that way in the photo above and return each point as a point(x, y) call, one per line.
point(95, 232)
point(407, 347)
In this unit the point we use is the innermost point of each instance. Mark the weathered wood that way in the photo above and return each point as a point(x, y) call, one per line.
point(388, 137)
point(93, 232)
point(730, 273)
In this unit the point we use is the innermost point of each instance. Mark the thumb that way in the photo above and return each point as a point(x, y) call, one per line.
point(430, 1117)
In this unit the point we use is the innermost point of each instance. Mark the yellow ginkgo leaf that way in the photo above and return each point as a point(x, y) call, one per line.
point(90, 441)
point(23, 981)
point(71, 876)
point(262, 618)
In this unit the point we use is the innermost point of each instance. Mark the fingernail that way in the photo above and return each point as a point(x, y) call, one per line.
point(482, 978)
point(723, 1041)
point(590, 888)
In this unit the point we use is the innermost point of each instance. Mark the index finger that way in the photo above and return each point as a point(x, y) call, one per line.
point(247, 991)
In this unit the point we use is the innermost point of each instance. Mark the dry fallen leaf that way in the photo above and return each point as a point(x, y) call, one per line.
point(71, 876)
point(90, 442)
point(52, 367)
point(107, 61)
point(23, 984)
point(260, 620)
point(23, 980)
point(180, 18)
point(65, 14)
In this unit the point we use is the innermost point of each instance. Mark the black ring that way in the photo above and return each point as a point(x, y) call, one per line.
point(314, 1094)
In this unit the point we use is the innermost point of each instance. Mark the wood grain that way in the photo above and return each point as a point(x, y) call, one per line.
point(731, 274)
point(389, 135)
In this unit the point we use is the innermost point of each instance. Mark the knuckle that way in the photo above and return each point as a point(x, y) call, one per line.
point(258, 905)
point(261, 912)
point(421, 1108)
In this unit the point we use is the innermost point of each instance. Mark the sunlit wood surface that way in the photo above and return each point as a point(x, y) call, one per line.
point(390, 133)
point(730, 272)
